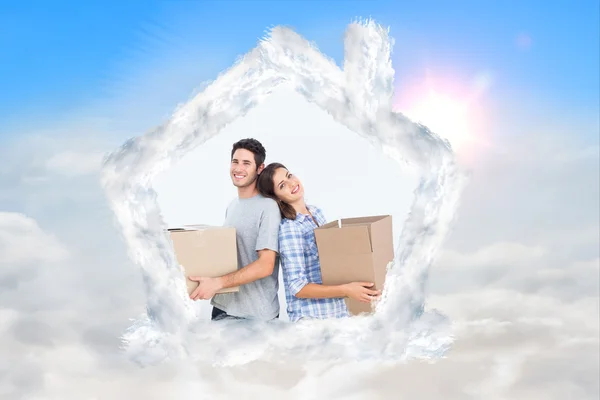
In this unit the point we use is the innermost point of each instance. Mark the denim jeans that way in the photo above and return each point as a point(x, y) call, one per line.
point(218, 315)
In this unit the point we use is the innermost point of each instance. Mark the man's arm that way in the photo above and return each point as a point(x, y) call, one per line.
point(254, 271)
point(266, 246)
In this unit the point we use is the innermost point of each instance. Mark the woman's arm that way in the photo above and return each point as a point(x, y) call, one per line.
point(318, 291)
point(293, 263)
point(354, 290)
point(291, 251)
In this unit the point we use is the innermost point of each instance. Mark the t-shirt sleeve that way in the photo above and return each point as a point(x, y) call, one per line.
point(226, 212)
point(268, 230)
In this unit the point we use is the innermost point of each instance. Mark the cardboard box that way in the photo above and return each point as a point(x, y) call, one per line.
point(356, 249)
point(204, 250)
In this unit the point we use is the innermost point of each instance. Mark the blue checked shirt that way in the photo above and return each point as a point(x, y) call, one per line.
point(300, 265)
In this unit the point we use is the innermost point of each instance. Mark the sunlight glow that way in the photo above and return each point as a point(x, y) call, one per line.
point(443, 115)
point(450, 108)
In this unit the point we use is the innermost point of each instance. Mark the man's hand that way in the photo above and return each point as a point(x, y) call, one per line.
point(261, 268)
point(207, 287)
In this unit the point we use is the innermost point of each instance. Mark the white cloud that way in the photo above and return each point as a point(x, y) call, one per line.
point(527, 269)
point(497, 253)
point(72, 163)
point(22, 241)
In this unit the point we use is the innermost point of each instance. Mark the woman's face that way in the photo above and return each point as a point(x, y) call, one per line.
point(288, 188)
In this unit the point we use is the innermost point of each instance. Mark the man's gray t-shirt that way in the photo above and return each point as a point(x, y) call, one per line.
point(256, 221)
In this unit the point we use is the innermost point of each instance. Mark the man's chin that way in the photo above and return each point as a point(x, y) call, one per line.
point(241, 184)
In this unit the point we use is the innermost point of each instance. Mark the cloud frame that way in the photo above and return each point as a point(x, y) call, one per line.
point(359, 97)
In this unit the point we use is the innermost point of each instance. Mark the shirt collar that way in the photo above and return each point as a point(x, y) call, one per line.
point(302, 217)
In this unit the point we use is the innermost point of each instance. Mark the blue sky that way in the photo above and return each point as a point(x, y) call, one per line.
point(59, 56)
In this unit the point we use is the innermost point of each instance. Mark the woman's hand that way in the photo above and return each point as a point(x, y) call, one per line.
point(359, 291)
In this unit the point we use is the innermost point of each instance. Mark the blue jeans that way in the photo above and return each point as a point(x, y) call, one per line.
point(218, 314)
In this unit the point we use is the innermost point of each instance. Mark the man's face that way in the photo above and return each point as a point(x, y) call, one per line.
point(243, 169)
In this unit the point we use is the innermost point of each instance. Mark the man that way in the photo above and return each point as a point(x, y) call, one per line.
point(256, 219)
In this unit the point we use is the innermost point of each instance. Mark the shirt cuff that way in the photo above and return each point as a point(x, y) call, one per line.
point(296, 285)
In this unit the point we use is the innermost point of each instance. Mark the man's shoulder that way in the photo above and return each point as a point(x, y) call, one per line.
point(258, 208)
point(233, 202)
point(265, 200)
point(267, 203)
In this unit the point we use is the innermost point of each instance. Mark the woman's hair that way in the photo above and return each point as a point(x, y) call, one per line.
point(266, 187)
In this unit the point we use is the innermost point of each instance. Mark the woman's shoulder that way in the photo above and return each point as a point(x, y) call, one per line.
point(317, 212)
point(314, 209)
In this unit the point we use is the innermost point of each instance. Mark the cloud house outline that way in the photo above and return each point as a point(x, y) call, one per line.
point(359, 96)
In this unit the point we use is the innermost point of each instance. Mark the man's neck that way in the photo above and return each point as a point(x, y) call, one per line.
point(247, 192)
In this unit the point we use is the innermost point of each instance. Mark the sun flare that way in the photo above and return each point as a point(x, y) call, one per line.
point(446, 116)
point(451, 111)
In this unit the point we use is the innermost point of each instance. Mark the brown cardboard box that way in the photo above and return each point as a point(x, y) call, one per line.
point(203, 250)
point(356, 249)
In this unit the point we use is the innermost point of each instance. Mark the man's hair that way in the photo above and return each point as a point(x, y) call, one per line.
point(266, 187)
point(254, 146)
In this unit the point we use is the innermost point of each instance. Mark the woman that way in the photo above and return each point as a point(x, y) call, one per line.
point(306, 296)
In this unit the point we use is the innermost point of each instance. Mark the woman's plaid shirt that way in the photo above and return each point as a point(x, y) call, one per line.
point(300, 265)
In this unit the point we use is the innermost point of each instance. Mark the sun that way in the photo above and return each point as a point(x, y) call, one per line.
point(444, 115)
point(450, 109)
